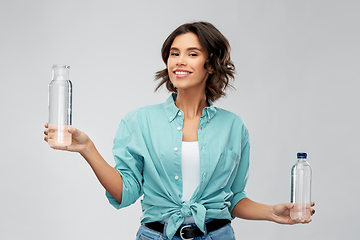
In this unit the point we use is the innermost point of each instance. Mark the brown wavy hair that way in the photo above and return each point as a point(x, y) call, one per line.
point(218, 63)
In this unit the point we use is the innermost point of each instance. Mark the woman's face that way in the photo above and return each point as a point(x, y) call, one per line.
point(186, 63)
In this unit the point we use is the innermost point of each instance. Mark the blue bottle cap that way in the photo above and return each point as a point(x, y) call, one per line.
point(301, 155)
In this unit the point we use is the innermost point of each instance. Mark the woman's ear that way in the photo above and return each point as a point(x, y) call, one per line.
point(209, 69)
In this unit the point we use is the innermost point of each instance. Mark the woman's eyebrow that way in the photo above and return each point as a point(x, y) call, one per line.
point(194, 48)
point(189, 49)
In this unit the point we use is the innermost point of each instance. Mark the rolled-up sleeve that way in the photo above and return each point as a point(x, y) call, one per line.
point(129, 162)
point(238, 186)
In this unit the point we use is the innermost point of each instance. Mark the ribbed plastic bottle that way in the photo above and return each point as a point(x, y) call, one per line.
point(60, 106)
point(301, 188)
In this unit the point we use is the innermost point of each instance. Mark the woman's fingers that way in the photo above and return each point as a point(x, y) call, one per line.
point(312, 211)
point(46, 132)
point(307, 221)
point(303, 221)
point(74, 131)
point(59, 147)
point(289, 205)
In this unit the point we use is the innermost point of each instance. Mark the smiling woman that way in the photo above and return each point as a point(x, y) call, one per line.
point(187, 158)
point(211, 44)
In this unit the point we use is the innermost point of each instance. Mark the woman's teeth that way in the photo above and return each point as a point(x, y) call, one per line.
point(182, 73)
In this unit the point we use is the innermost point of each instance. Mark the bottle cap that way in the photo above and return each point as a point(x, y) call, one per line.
point(60, 72)
point(301, 155)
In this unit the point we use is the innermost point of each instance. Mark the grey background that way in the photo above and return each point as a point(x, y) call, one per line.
point(297, 87)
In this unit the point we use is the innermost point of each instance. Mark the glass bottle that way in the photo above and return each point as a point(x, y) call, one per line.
point(301, 188)
point(60, 106)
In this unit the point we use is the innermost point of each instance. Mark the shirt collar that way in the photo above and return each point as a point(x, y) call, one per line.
point(172, 111)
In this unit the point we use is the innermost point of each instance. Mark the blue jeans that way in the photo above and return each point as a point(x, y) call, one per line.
point(225, 232)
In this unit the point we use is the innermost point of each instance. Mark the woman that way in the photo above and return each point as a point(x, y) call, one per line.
point(186, 157)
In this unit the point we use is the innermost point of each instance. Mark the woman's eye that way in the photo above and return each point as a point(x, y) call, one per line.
point(193, 54)
point(174, 54)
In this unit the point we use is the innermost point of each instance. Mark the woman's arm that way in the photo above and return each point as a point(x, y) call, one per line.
point(279, 213)
point(108, 176)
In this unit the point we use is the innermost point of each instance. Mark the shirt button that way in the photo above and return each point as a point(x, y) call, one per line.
point(203, 149)
point(175, 149)
point(204, 175)
point(171, 118)
point(176, 177)
point(179, 128)
point(179, 113)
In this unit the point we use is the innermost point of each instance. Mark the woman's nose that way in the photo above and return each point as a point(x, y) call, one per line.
point(180, 61)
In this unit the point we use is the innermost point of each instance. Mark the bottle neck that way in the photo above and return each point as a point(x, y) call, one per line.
point(60, 72)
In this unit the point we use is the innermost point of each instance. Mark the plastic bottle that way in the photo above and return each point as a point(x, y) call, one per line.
point(60, 106)
point(301, 188)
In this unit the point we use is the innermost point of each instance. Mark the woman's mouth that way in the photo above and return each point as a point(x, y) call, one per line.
point(181, 73)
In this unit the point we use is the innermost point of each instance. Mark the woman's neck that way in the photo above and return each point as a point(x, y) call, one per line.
point(191, 103)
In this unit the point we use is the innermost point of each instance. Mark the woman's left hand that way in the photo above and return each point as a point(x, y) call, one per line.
point(281, 214)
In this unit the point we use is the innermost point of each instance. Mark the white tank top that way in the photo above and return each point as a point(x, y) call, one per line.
point(190, 168)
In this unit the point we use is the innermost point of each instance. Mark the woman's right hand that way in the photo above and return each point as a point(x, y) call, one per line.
point(80, 141)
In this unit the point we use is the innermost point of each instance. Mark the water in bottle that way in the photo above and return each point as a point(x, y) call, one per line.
point(60, 107)
point(301, 188)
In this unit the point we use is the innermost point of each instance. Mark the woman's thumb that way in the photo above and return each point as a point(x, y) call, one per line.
point(72, 130)
point(289, 205)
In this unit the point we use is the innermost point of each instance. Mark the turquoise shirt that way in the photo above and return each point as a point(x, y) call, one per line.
point(147, 151)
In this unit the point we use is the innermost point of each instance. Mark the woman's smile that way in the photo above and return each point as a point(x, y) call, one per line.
point(181, 73)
